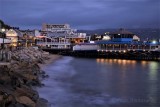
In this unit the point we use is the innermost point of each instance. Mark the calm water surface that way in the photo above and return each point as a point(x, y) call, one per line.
point(80, 82)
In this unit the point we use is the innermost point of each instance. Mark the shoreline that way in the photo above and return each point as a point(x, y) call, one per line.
point(18, 79)
point(51, 58)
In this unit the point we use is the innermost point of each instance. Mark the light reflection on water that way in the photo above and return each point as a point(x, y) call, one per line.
point(151, 68)
point(153, 89)
point(118, 61)
point(80, 82)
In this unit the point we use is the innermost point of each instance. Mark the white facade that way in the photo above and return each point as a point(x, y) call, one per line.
point(136, 38)
point(61, 30)
point(106, 37)
point(85, 47)
point(37, 33)
point(58, 28)
point(59, 36)
point(13, 36)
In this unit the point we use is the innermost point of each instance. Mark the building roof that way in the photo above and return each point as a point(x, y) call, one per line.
point(14, 32)
point(19, 33)
point(126, 42)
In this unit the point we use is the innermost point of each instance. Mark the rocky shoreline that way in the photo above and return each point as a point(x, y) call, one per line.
point(18, 79)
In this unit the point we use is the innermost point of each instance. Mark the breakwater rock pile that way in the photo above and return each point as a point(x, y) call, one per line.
point(18, 79)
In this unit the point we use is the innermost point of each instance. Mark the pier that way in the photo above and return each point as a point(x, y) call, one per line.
point(123, 54)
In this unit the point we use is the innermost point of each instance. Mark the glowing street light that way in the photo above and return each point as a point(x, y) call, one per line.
point(154, 42)
point(3, 30)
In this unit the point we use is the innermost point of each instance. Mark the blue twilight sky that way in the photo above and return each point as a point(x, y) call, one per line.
point(81, 14)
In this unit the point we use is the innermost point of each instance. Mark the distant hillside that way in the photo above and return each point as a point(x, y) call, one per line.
point(142, 33)
point(3, 25)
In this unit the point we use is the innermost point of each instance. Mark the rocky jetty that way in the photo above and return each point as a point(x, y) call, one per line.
point(19, 77)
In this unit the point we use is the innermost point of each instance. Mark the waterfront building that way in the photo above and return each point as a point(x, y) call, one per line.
point(28, 32)
point(4, 41)
point(121, 41)
point(59, 36)
point(85, 47)
point(13, 35)
point(29, 37)
point(58, 28)
point(37, 33)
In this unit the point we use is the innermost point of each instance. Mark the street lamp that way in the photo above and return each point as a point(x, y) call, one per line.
point(3, 30)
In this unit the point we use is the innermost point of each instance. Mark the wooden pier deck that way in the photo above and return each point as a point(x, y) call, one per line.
point(132, 55)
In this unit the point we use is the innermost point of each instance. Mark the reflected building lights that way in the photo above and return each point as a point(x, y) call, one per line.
point(102, 60)
point(98, 60)
point(152, 72)
point(118, 61)
point(153, 77)
point(144, 63)
point(153, 66)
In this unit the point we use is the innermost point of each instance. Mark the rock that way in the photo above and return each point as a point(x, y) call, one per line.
point(16, 105)
point(1, 98)
point(21, 75)
point(26, 101)
point(42, 103)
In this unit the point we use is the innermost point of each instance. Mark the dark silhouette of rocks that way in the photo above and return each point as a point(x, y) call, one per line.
point(18, 78)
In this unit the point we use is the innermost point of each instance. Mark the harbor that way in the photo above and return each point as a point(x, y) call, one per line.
point(79, 53)
point(101, 82)
point(62, 39)
point(25, 54)
point(120, 44)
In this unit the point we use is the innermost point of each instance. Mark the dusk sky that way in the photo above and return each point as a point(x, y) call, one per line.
point(81, 14)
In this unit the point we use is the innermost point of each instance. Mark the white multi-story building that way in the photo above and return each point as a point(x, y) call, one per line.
point(60, 35)
point(58, 28)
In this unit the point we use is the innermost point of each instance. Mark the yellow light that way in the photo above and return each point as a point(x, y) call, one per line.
point(102, 60)
point(98, 60)
point(3, 30)
point(143, 63)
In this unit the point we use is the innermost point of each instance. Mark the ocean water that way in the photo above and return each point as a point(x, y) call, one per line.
point(81, 82)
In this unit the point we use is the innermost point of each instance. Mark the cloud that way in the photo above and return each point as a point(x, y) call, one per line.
point(82, 14)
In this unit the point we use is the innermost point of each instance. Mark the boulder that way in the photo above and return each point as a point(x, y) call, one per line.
point(26, 101)
point(22, 73)
point(42, 103)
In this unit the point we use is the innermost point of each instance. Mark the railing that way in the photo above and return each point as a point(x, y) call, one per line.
point(52, 43)
point(5, 56)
